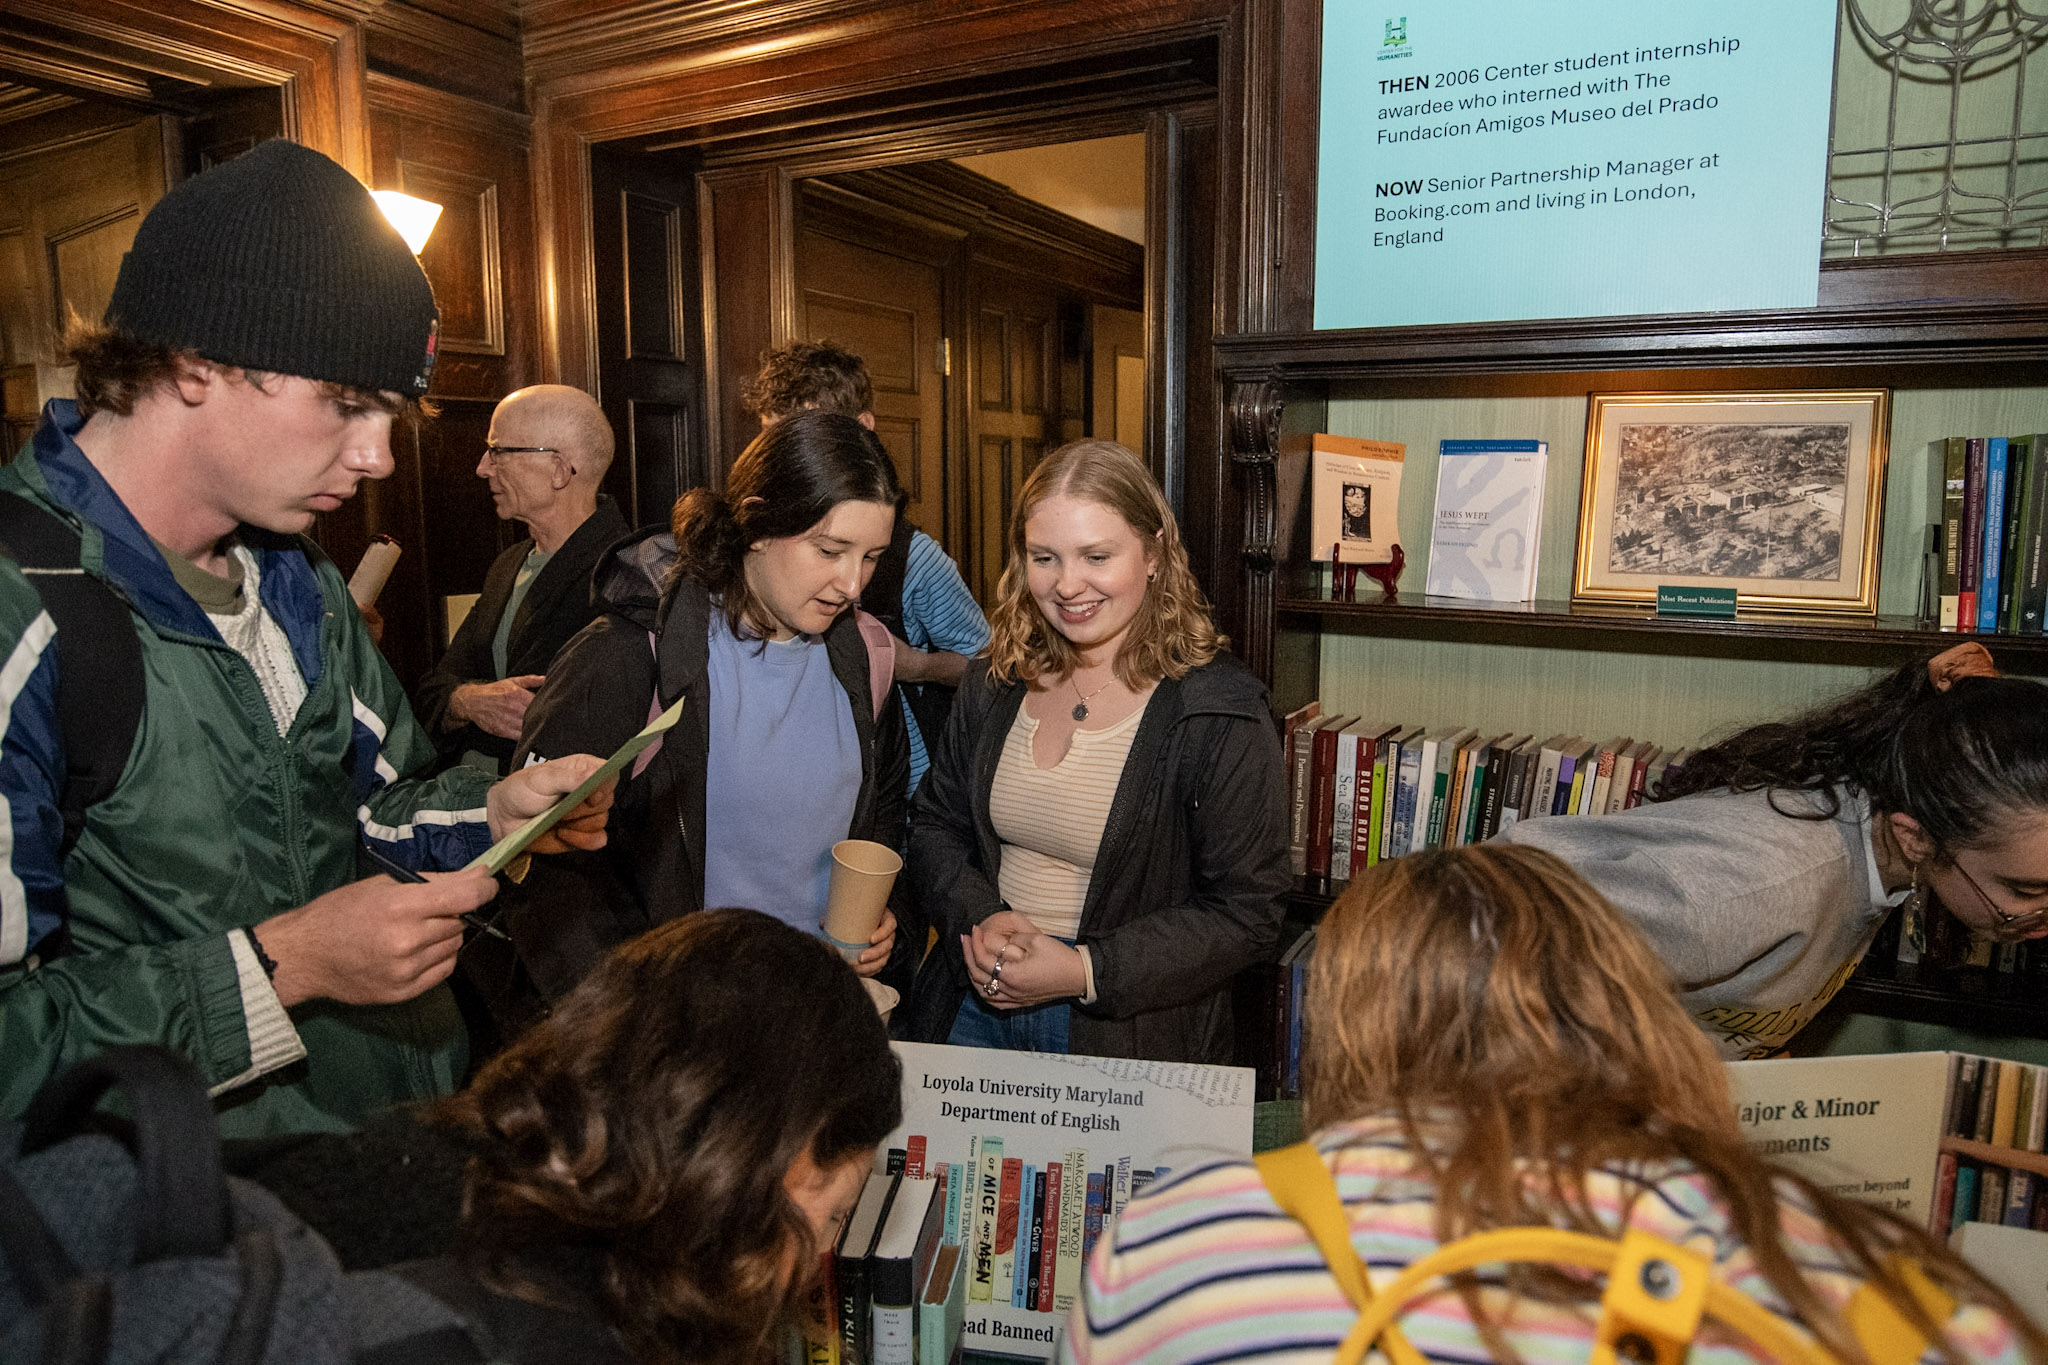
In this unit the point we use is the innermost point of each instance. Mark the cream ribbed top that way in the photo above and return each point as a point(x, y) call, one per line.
point(1050, 820)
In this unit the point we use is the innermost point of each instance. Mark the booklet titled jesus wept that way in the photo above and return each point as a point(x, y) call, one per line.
point(1488, 522)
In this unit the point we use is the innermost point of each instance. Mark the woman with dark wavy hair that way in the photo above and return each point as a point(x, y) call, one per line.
point(1765, 867)
point(655, 1157)
point(1100, 837)
point(745, 609)
point(1488, 1044)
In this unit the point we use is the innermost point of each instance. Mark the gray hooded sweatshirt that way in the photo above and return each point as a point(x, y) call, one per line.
point(1760, 916)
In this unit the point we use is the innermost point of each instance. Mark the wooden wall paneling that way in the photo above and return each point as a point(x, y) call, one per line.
point(1291, 136)
point(313, 53)
point(645, 218)
point(744, 210)
point(1209, 505)
point(68, 212)
point(228, 123)
point(829, 88)
point(956, 223)
point(890, 310)
point(1166, 305)
point(697, 79)
point(470, 158)
point(1013, 371)
point(470, 49)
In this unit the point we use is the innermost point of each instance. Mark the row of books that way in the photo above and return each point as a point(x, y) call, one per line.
point(1992, 539)
point(2005, 1104)
point(922, 1243)
point(1362, 790)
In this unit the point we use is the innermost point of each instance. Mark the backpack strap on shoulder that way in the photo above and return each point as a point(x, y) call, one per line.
point(881, 656)
point(1656, 1293)
point(1306, 1191)
point(96, 641)
point(1888, 1336)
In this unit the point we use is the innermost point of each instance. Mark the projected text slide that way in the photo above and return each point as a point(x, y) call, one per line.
point(1494, 159)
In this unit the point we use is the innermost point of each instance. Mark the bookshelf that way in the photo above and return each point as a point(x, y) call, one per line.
point(1959, 338)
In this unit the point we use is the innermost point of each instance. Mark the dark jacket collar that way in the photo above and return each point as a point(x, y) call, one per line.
point(567, 568)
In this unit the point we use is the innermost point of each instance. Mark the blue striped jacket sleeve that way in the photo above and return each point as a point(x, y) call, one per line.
point(938, 611)
point(31, 769)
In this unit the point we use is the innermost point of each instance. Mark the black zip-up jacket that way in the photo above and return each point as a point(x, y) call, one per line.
point(575, 906)
point(557, 605)
point(1188, 884)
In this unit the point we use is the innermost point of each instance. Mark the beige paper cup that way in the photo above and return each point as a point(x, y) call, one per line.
point(862, 874)
point(885, 997)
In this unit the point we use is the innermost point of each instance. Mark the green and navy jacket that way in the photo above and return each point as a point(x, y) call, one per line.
point(218, 823)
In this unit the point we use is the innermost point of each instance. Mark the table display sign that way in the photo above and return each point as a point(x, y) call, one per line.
point(1039, 1153)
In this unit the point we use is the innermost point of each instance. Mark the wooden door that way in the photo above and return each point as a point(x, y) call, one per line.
point(1013, 408)
point(889, 310)
point(68, 213)
point(650, 319)
point(1119, 406)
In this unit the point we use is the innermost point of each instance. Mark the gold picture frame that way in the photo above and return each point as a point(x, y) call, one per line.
point(1778, 494)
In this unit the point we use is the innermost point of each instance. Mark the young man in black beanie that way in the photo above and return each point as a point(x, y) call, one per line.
point(265, 330)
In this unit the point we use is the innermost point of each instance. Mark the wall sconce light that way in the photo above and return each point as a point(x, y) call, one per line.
point(414, 218)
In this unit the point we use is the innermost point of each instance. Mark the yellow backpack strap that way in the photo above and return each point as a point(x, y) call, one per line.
point(1668, 1290)
point(1883, 1332)
point(1304, 1189)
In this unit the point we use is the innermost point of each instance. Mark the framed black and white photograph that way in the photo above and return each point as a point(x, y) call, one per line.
point(1778, 495)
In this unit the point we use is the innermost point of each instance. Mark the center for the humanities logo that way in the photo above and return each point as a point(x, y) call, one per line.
point(1394, 43)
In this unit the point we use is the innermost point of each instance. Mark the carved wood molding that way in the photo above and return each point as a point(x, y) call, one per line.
point(952, 202)
point(312, 51)
point(449, 53)
point(1255, 407)
point(561, 37)
point(410, 99)
point(1927, 334)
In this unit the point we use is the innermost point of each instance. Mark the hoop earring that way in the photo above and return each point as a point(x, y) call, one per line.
point(1913, 911)
point(1915, 902)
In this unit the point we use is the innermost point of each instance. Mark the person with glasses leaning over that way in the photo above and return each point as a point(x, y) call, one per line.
point(1764, 867)
point(549, 448)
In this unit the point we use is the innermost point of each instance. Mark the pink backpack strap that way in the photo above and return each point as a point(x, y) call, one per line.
point(653, 709)
point(881, 656)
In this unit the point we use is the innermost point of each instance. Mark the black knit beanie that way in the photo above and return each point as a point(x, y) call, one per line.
point(279, 260)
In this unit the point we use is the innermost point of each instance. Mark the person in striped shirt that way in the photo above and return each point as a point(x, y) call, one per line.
point(1491, 1044)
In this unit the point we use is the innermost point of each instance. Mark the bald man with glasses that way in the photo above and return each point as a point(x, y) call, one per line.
point(549, 446)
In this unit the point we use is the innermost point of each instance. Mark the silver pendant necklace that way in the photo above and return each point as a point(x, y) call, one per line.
point(1080, 711)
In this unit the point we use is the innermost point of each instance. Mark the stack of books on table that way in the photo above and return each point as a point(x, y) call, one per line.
point(894, 1291)
point(1362, 789)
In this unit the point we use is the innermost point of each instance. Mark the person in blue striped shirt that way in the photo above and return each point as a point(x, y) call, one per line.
point(917, 590)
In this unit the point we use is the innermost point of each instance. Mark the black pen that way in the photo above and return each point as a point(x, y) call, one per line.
point(399, 872)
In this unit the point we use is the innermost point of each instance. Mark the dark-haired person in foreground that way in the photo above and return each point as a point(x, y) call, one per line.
point(1766, 867)
point(651, 1164)
point(265, 330)
point(781, 750)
